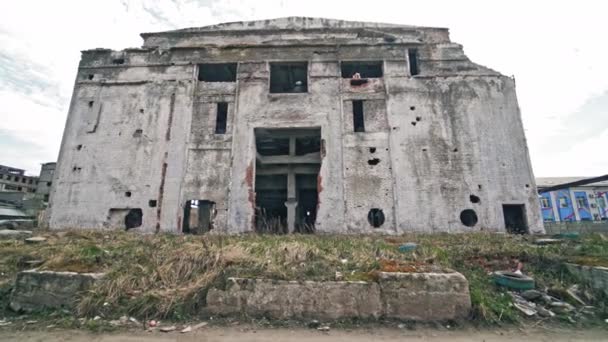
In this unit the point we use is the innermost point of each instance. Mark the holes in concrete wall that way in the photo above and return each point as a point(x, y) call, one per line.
point(418, 118)
point(224, 72)
point(289, 77)
point(79, 147)
point(366, 69)
point(468, 217)
point(374, 161)
point(413, 123)
point(372, 150)
point(221, 118)
point(134, 218)
point(527, 185)
point(76, 168)
point(91, 103)
point(515, 218)
point(424, 150)
point(479, 186)
point(138, 133)
point(358, 118)
point(128, 193)
point(412, 107)
point(413, 59)
point(375, 217)
point(455, 150)
point(141, 110)
point(474, 199)
point(118, 61)
point(91, 76)
point(152, 203)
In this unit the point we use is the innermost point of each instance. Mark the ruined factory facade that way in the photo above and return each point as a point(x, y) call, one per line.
point(293, 125)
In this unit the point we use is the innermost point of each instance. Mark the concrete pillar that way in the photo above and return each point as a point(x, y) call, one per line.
point(291, 203)
point(554, 206)
point(574, 205)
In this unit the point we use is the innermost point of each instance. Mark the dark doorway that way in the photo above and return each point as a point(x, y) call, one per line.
point(515, 218)
point(287, 169)
point(133, 219)
point(198, 216)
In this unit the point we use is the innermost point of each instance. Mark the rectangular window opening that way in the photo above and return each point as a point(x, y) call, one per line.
point(198, 216)
point(224, 72)
point(359, 69)
point(358, 120)
point(412, 55)
point(221, 118)
point(289, 77)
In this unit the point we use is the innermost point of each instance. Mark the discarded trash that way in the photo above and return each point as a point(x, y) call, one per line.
point(543, 242)
point(152, 323)
point(168, 329)
point(323, 328)
point(198, 326)
point(96, 318)
point(186, 330)
point(339, 276)
point(35, 239)
point(407, 247)
point(314, 324)
point(513, 280)
point(531, 294)
point(568, 235)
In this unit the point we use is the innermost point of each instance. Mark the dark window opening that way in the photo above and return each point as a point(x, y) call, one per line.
point(306, 145)
point(515, 218)
point(128, 193)
point(413, 58)
point(198, 216)
point(91, 104)
point(374, 161)
point(474, 199)
point(289, 77)
point(46, 197)
point(79, 147)
point(19, 188)
point(413, 123)
point(372, 150)
point(118, 61)
point(133, 219)
point(49, 183)
point(221, 118)
point(152, 203)
point(418, 118)
point(91, 76)
point(375, 217)
point(137, 133)
point(358, 69)
point(224, 72)
point(413, 108)
point(358, 119)
point(468, 217)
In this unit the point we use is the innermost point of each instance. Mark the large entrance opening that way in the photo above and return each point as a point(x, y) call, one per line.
point(198, 216)
point(287, 168)
point(515, 218)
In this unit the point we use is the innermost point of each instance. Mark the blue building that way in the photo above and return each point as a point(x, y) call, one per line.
point(578, 203)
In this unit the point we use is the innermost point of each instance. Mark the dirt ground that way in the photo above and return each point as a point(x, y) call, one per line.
point(248, 334)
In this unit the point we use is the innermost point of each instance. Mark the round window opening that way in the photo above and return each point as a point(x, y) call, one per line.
point(375, 217)
point(468, 217)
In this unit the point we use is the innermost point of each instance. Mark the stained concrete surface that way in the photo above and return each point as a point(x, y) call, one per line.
point(252, 334)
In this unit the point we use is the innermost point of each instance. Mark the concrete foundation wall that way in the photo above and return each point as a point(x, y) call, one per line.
point(141, 122)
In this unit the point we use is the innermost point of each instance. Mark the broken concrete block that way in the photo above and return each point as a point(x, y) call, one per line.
point(596, 277)
point(36, 290)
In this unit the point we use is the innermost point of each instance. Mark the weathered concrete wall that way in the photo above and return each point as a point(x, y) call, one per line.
point(596, 277)
point(421, 297)
point(141, 122)
point(37, 290)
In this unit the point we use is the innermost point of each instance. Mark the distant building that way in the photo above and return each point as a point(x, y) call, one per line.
point(580, 203)
point(13, 179)
point(45, 180)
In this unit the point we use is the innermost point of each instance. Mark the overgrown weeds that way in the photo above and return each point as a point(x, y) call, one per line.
point(167, 276)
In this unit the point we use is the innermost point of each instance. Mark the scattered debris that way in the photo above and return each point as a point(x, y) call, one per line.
point(513, 280)
point(407, 247)
point(547, 241)
point(152, 323)
point(531, 294)
point(323, 328)
point(198, 326)
point(35, 239)
point(545, 312)
point(4, 323)
point(133, 320)
point(31, 322)
point(96, 318)
point(168, 329)
point(186, 330)
point(339, 276)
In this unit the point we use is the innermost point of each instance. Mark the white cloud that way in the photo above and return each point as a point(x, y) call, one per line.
point(554, 48)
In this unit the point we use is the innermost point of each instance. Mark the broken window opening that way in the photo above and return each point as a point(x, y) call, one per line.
point(91, 76)
point(515, 218)
point(221, 72)
point(468, 217)
point(474, 199)
point(221, 118)
point(133, 219)
point(152, 203)
point(372, 150)
point(289, 77)
point(118, 61)
point(286, 180)
point(375, 217)
point(365, 69)
point(137, 133)
point(91, 104)
point(373, 161)
point(198, 216)
point(128, 193)
point(413, 59)
point(358, 119)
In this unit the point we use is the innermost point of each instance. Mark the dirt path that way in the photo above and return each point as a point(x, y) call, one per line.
point(245, 334)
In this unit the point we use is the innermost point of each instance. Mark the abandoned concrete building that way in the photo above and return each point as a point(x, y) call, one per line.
point(293, 125)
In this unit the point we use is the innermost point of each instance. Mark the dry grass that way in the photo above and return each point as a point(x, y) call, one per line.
point(168, 276)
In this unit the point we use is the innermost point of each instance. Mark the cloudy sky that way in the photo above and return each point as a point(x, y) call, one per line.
point(556, 49)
